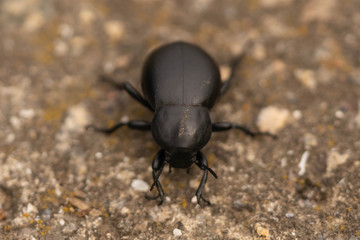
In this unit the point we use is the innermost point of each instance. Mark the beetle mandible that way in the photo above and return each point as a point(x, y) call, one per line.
point(180, 84)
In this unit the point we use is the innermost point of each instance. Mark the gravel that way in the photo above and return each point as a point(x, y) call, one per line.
point(299, 79)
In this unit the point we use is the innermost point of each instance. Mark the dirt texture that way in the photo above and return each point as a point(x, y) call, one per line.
point(300, 79)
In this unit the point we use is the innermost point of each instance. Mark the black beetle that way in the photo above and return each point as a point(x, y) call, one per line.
point(180, 84)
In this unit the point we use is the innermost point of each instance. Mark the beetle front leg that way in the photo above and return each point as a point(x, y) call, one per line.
point(157, 166)
point(202, 163)
point(224, 126)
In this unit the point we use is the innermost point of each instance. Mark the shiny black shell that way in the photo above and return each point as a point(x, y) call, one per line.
point(180, 74)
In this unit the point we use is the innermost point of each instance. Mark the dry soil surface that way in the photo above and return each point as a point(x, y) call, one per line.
point(300, 79)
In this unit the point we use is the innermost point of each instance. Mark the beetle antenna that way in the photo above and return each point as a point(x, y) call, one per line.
point(207, 168)
point(211, 171)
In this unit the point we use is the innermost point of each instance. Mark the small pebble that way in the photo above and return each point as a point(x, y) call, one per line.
point(339, 114)
point(297, 114)
point(289, 215)
point(27, 113)
point(62, 222)
point(124, 211)
point(98, 155)
point(177, 232)
point(335, 159)
point(306, 77)
point(66, 31)
point(261, 230)
point(15, 122)
point(94, 212)
point(310, 141)
point(139, 185)
point(302, 163)
point(259, 52)
point(272, 119)
point(194, 199)
point(61, 48)
point(30, 209)
point(10, 138)
point(79, 203)
point(114, 30)
point(86, 16)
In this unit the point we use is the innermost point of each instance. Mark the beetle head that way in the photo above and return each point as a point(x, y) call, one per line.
point(181, 128)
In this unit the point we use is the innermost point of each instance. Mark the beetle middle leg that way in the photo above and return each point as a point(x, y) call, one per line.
point(224, 126)
point(128, 88)
point(134, 124)
point(157, 167)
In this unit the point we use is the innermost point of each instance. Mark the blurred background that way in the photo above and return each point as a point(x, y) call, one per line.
point(300, 80)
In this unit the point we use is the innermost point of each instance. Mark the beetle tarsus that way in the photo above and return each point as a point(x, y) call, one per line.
point(203, 165)
point(157, 166)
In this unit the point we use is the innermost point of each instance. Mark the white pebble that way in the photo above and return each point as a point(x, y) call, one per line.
point(177, 232)
point(27, 113)
point(297, 114)
point(30, 209)
point(62, 222)
point(86, 16)
point(194, 199)
point(289, 215)
point(139, 185)
point(272, 119)
point(303, 161)
point(66, 31)
point(335, 159)
point(10, 138)
point(114, 30)
point(306, 77)
point(61, 48)
point(15, 122)
point(98, 155)
point(124, 211)
point(339, 114)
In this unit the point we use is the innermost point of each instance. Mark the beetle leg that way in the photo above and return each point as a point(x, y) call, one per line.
point(224, 126)
point(157, 166)
point(233, 65)
point(128, 88)
point(202, 163)
point(134, 124)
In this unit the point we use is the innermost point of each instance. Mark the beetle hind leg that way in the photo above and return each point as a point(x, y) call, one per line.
point(233, 65)
point(129, 89)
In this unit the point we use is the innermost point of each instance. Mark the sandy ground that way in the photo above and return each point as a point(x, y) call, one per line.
point(300, 79)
